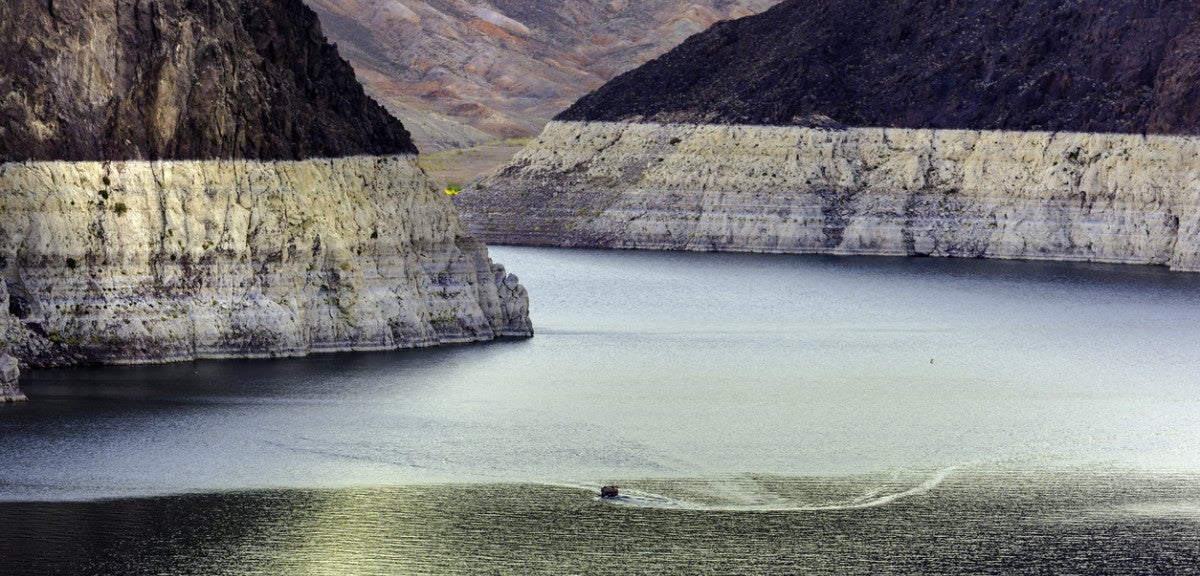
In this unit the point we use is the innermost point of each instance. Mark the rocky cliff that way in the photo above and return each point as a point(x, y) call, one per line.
point(1025, 129)
point(148, 261)
point(204, 179)
point(461, 72)
point(1030, 195)
point(124, 79)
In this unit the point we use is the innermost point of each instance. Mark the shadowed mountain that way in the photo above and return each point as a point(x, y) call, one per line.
point(1116, 66)
point(121, 79)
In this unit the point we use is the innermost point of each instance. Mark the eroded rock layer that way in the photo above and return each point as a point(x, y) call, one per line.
point(996, 194)
point(142, 261)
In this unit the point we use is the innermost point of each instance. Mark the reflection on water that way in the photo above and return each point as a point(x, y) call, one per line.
point(764, 414)
point(990, 522)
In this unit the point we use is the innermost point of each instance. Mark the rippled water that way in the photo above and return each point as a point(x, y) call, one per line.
point(764, 414)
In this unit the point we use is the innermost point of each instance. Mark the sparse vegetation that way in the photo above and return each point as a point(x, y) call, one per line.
point(120, 208)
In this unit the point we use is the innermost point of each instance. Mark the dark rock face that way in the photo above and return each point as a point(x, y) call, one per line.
point(180, 79)
point(1090, 66)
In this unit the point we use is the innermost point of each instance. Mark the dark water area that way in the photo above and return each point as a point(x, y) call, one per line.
point(997, 524)
point(763, 414)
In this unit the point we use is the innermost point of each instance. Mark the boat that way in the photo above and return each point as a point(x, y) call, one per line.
point(610, 491)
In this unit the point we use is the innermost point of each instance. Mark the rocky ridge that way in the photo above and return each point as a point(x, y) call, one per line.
point(205, 179)
point(1125, 66)
point(969, 194)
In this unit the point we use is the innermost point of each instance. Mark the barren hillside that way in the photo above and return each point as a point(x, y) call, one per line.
point(459, 72)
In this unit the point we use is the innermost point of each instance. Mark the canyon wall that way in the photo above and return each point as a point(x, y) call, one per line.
point(186, 179)
point(954, 193)
point(142, 261)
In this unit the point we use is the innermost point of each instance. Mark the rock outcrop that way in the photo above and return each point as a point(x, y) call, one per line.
point(10, 373)
point(205, 179)
point(459, 72)
point(1028, 195)
point(1024, 129)
point(173, 260)
point(177, 79)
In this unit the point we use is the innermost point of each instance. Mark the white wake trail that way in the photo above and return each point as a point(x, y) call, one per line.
point(871, 499)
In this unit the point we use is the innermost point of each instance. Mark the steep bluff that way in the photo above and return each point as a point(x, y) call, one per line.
point(1024, 129)
point(205, 179)
point(147, 261)
point(996, 194)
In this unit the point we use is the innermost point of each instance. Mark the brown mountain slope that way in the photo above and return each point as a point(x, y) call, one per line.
point(460, 72)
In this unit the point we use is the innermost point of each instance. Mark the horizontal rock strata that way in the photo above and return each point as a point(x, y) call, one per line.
point(142, 261)
point(995, 194)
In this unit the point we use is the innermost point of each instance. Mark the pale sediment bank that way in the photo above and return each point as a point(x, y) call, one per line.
point(10, 374)
point(952, 193)
point(140, 261)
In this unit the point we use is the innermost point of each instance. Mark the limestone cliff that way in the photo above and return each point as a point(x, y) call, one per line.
point(205, 179)
point(996, 194)
point(172, 260)
point(975, 128)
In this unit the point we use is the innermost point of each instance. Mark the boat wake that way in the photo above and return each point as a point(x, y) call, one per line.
point(738, 499)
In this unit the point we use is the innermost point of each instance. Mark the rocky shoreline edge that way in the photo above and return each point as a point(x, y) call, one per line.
point(160, 261)
point(1094, 197)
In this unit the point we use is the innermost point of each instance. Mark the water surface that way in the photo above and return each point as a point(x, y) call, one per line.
point(766, 414)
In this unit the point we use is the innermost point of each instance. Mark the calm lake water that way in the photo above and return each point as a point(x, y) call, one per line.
point(763, 415)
